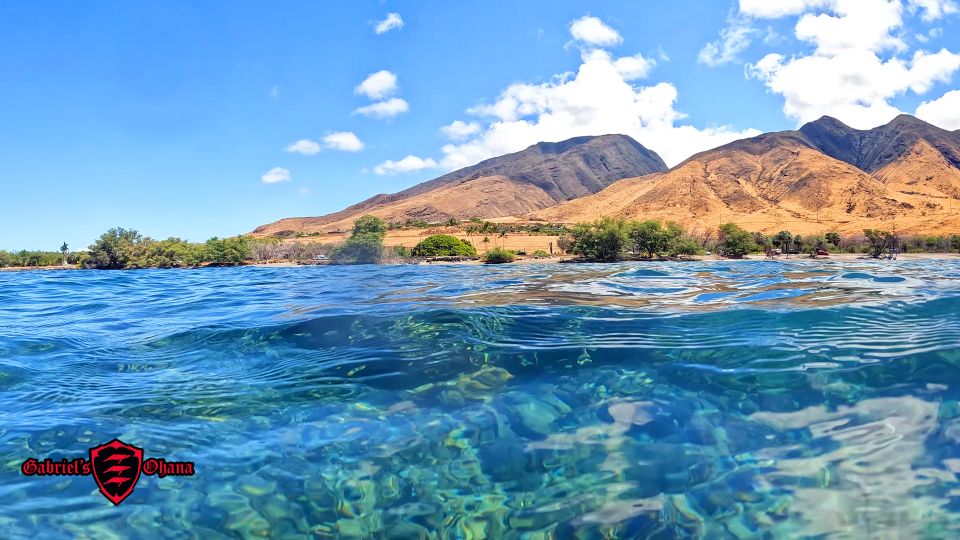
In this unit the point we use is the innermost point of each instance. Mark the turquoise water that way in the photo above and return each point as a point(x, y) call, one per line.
point(699, 400)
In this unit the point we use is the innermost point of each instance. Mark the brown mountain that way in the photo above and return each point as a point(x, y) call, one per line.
point(515, 184)
point(825, 176)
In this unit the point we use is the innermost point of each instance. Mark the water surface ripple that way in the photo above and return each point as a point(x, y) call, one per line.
point(752, 399)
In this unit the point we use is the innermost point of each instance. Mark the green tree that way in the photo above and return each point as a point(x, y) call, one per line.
point(444, 245)
point(369, 224)
point(833, 238)
point(63, 250)
point(604, 240)
point(650, 238)
point(955, 242)
point(735, 242)
point(365, 245)
point(227, 251)
point(502, 235)
point(880, 241)
point(177, 253)
point(685, 247)
point(782, 240)
point(761, 240)
point(114, 249)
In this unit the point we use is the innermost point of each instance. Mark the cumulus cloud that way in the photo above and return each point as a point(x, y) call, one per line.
point(943, 112)
point(774, 9)
point(305, 147)
point(459, 130)
point(345, 141)
point(408, 164)
point(858, 64)
point(276, 175)
point(597, 100)
point(931, 10)
point(634, 67)
point(378, 85)
point(393, 22)
point(384, 109)
point(592, 31)
point(600, 98)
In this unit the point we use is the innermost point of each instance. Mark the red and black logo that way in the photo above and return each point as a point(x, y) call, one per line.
point(115, 466)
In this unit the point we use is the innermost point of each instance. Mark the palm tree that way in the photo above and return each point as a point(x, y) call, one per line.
point(502, 235)
point(63, 249)
point(485, 241)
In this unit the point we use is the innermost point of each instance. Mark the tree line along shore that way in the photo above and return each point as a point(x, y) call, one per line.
point(604, 240)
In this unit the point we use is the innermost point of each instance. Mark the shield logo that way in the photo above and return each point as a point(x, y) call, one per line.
point(116, 468)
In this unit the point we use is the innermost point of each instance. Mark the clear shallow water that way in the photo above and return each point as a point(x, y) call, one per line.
point(744, 400)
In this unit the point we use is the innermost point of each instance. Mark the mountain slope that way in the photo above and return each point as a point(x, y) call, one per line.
point(815, 179)
point(535, 178)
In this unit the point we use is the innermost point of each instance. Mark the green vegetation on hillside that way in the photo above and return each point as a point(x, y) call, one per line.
point(443, 245)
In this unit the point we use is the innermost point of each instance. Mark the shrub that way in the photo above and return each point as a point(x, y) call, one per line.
point(499, 256)
point(540, 254)
point(444, 245)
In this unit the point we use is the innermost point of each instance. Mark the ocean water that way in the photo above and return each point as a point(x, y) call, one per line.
point(781, 399)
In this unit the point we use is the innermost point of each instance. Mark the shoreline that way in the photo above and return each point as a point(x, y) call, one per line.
point(555, 260)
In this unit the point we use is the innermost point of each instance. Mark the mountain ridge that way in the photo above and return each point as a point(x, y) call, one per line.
point(541, 175)
point(824, 175)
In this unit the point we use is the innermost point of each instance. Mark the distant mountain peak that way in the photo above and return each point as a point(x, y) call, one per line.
point(827, 121)
point(541, 175)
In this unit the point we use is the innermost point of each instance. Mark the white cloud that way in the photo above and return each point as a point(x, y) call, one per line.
point(634, 67)
point(378, 85)
point(734, 39)
point(275, 175)
point(459, 130)
point(407, 164)
point(275, 92)
point(853, 25)
point(593, 31)
point(384, 109)
point(931, 10)
point(597, 100)
point(305, 147)
point(855, 68)
point(774, 9)
point(943, 112)
point(393, 21)
point(345, 141)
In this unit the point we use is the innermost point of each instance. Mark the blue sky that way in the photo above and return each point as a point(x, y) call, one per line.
point(183, 118)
